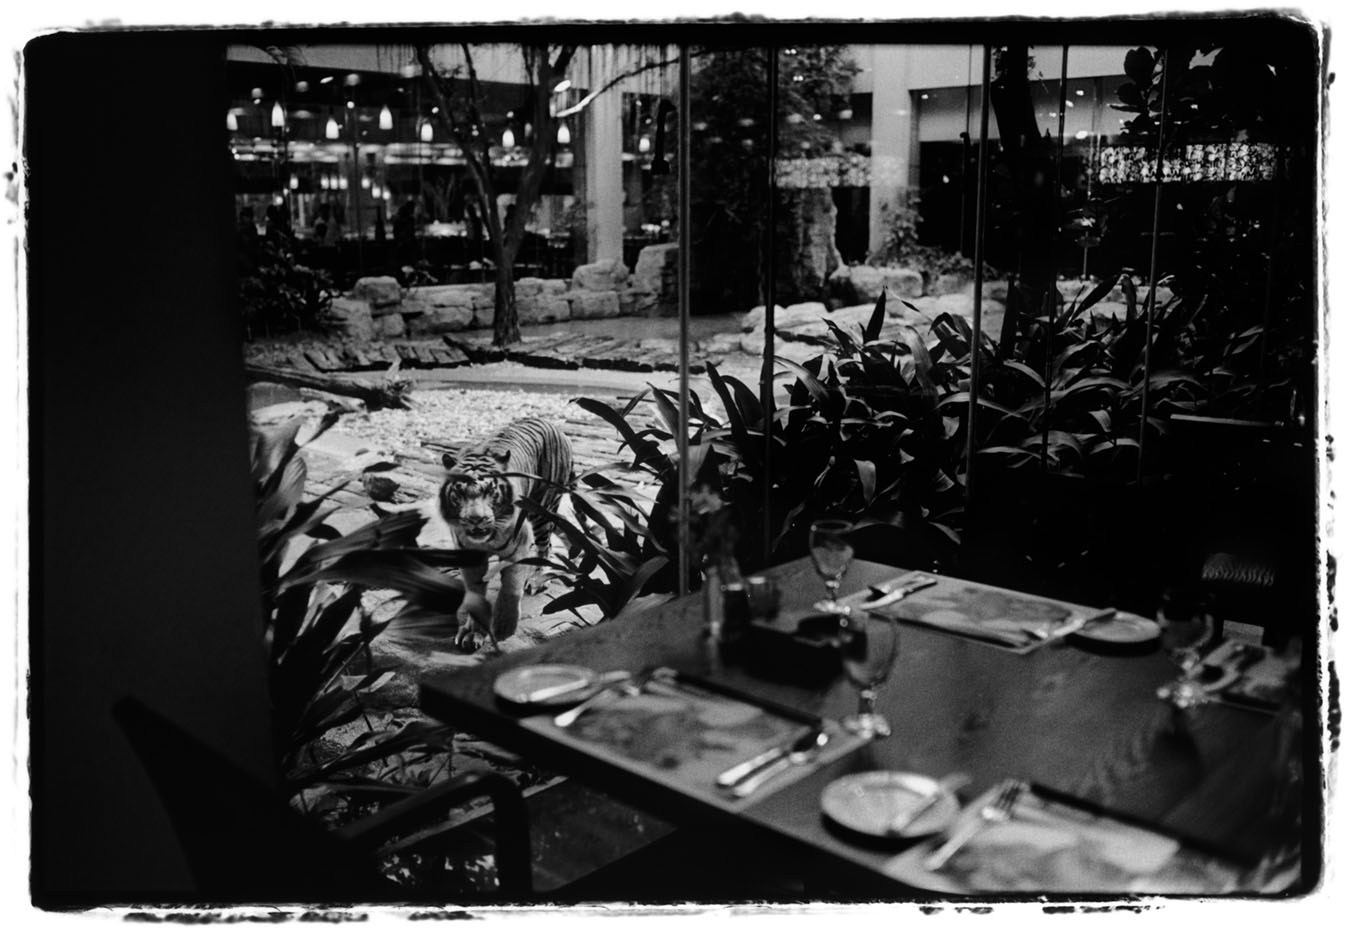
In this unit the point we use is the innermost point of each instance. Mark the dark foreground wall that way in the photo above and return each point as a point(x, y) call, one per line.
point(143, 571)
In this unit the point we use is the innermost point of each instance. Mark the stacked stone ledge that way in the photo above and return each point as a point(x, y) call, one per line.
point(377, 308)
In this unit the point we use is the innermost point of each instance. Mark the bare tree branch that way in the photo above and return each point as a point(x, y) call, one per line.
point(583, 104)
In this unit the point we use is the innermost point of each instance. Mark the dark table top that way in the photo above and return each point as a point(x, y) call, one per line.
point(1083, 723)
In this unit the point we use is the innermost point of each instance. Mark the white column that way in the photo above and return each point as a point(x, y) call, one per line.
point(890, 136)
point(604, 184)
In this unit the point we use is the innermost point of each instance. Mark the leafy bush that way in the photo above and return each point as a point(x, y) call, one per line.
point(317, 632)
point(860, 437)
point(278, 294)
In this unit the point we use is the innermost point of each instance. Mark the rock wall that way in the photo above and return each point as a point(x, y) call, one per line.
point(377, 308)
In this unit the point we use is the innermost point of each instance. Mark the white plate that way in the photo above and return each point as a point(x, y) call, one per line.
point(868, 802)
point(1123, 629)
point(518, 684)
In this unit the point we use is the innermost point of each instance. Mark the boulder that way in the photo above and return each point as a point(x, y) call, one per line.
point(528, 287)
point(593, 304)
point(798, 351)
point(656, 268)
point(960, 283)
point(722, 343)
point(390, 326)
point(868, 282)
point(381, 291)
point(542, 309)
point(609, 275)
point(440, 320)
point(807, 313)
point(554, 287)
point(993, 311)
point(442, 296)
point(351, 318)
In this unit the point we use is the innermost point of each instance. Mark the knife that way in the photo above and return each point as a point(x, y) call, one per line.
point(554, 691)
point(902, 592)
point(898, 824)
point(738, 772)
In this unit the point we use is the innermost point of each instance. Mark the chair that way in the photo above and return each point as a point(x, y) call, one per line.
point(245, 844)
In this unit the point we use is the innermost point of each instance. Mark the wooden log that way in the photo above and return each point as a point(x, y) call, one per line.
point(375, 396)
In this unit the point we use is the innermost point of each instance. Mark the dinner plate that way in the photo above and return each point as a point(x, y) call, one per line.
point(1124, 628)
point(869, 802)
point(517, 685)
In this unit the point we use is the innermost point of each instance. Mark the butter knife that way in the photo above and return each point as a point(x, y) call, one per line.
point(947, 785)
point(902, 592)
point(740, 771)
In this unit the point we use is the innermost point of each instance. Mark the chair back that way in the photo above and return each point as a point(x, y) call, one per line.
point(242, 842)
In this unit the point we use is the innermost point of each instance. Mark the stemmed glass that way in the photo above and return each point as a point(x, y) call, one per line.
point(868, 652)
point(1187, 626)
point(831, 554)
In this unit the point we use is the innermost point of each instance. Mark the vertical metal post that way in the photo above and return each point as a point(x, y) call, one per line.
point(979, 248)
point(684, 316)
point(768, 288)
point(1053, 236)
point(1155, 244)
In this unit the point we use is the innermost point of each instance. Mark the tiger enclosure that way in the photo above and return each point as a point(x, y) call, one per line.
point(573, 338)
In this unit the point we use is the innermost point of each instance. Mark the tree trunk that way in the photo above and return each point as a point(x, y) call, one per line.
point(506, 329)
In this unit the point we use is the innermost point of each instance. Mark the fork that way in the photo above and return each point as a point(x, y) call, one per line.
point(997, 810)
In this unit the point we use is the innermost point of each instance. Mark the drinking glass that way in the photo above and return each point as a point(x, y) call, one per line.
point(831, 554)
point(1187, 627)
point(868, 652)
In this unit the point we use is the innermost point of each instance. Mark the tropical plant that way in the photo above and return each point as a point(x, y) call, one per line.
point(317, 630)
point(277, 292)
point(860, 436)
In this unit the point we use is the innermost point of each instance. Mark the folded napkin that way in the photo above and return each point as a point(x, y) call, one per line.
point(1018, 621)
point(1053, 847)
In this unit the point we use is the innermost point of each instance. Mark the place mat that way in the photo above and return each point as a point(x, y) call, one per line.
point(1053, 845)
point(685, 738)
point(1005, 619)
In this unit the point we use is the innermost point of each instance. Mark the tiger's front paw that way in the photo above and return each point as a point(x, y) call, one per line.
point(468, 635)
point(473, 623)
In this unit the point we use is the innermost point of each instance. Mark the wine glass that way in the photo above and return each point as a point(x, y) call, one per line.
point(1187, 627)
point(868, 652)
point(831, 554)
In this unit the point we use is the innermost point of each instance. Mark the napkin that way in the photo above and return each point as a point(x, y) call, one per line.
point(1054, 847)
point(978, 611)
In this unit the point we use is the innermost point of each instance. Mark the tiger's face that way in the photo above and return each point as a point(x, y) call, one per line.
point(477, 503)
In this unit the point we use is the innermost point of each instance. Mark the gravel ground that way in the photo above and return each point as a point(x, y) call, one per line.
point(453, 415)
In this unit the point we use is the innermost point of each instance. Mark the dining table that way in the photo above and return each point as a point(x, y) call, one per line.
point(1079, 723)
